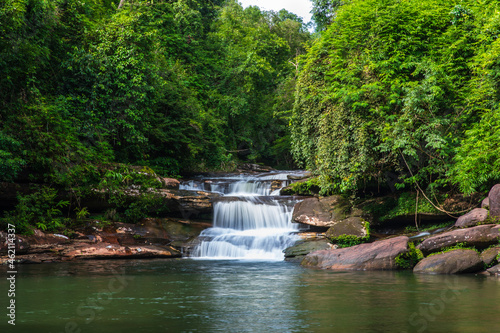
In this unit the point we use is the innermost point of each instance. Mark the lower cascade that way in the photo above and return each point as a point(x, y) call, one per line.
point(249, 225)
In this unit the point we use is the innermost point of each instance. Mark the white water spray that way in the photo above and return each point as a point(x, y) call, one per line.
point(248, 223)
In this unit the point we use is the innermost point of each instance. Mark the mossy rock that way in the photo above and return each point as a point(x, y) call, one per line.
point(452, 262)
point(490, 255)
point(322, 212)
point(353, 226)
point(303, 248)
point(305, 187)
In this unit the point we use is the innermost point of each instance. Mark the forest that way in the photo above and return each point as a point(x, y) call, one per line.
point(384, 96)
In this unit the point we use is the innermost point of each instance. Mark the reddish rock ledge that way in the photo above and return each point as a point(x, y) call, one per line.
point(379, 255)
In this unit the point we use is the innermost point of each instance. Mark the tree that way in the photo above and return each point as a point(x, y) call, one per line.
point(384, 90)
point(323, 12)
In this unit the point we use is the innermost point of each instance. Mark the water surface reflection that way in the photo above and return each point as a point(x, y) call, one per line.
point(242, 296)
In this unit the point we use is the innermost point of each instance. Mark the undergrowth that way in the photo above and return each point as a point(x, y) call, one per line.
point(409, 259)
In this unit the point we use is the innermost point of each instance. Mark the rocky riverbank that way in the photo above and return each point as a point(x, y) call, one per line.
point(184, 209)
point(151, 238)
point(471, 245)
point(374, 234)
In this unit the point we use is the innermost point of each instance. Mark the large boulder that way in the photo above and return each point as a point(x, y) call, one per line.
point(169, 183)
point(323, 212)
point(378, 255)
point(452, 262)
point(481, 237)
point(111, 251)
point(301, 249)
point(485, 203)
point(494, 200)
point(355, 226)
point(495, 270)
point(188, 204)
point(489, 255)
point(472, 218)
point(178, 231)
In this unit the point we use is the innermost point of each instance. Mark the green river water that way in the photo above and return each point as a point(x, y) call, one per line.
point(243, 296)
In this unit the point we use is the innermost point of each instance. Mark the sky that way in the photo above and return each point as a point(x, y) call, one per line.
point(299, 7)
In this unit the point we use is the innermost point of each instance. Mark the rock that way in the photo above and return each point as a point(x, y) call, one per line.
point(21, 244)
point(40, 238)
point(86, 249)
point(172, 229)
point(169, 183)
point(150, 231)
point(108, 251)
point(311, 236)
point(188, 204)
point(304, 175)
point(324, 212)
point(276, 185)
point(452, 262)
point(472, 218)
point(301, 249)
point(355, 226)
point(254, 167)
point(300, 188)
point(495, 270)
point(485, 203)
point(379, 255)
point(480, 237)
point(489, 255)
point(494, 199)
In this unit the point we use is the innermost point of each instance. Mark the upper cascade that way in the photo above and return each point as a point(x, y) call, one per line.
point(243, 184)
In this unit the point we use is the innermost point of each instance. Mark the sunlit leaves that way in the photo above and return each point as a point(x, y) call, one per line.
point(391, 87)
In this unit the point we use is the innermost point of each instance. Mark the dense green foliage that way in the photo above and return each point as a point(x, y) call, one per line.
point(174, 85)
point(391, 95)
point(398, 93)
point(409, 259)
point(402, 204)
point(303, 187)
point(40, 209)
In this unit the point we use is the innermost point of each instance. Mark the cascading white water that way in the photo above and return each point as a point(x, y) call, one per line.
point(241, 185)
point(248, 223)
point(247, 188)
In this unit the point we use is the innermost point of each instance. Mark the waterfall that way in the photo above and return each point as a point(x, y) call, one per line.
point(248, 222)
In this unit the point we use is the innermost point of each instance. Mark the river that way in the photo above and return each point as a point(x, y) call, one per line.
point(186, 295)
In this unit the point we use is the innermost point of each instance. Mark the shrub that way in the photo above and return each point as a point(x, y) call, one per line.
point(40, 209)
point(409, 259)
point(351, 240)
